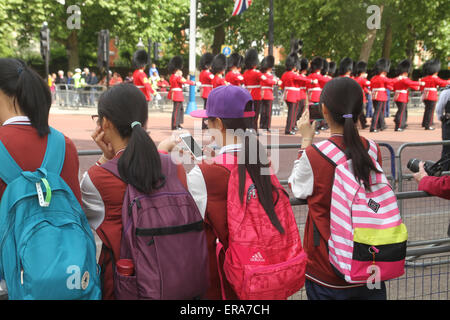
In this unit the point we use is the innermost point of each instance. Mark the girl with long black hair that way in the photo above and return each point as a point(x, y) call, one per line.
point(120, 133)
point(312, 179)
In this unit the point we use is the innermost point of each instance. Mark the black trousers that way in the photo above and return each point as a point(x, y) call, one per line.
point(177, 114)
point(300, 109)
point(257, 109)
point(291, 118)
point(427, 120)
point(378, 115)
point(266, 114)
point(204, 125)
point(401, 116)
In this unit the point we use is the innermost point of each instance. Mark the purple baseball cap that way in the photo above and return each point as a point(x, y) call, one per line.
point(227, 102)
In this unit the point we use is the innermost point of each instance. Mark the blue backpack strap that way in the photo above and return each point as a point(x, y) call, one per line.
point(9, 169)
point(55, 153)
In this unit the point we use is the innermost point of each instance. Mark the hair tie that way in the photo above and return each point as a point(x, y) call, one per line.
point(347, 116)
point(19, 70)
point(136, 123)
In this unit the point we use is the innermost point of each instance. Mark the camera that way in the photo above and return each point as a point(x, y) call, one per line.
point(431, 168)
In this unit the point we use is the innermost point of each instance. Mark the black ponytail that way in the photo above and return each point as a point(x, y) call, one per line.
point(343, 97)
point(30, 92)
point(140, 163)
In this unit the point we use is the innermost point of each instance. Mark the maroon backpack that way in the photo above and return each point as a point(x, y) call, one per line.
point(163, 235)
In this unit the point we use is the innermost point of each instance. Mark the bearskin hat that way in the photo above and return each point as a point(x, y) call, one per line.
point(404, 66)
point(332, 68)
point(345, 66)
point(219, 63)
point(325, 67)
point(176, 63)
point(291, 61)
point(361, 66)
point(235, 60)
point(382, 65)
point(251, 59)
point(431, 67)
point(206, 60)
point(316, 64)
point(140, 59)
point(303, 64)
point(267, 63)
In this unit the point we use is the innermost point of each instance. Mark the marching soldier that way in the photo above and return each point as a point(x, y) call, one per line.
point(140, 80)
point(234, 66)
point(268, 80)
point(430, 96)
point(252, 82)
point(401, 96)
point(218, 67)
point(205, 78)
point(379, 83)
point(303, 70)
point(176, 81)
point(318, 81)
point(361, 78)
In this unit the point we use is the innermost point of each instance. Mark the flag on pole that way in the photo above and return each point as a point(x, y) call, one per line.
point(240, 6)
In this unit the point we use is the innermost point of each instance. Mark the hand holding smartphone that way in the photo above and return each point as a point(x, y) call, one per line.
point(192, 145)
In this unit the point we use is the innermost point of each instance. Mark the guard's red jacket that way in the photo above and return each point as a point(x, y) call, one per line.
point(379, 84)
point(291, 85)
point(430, 87)
point(364, 84)
point(205, 79)
point(218, 81)
point(235, 78)
point(315, 89)
point(176, 87)
point(267, 83)
point(401, 87)
point(140, 80)
point(252, 79)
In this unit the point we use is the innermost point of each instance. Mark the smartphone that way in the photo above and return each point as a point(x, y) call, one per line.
point(315, 112)
point(192, 146)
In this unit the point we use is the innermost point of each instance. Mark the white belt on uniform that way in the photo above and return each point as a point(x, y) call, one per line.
point(207, 85)
point(252, 87)
point(265, 88)
point(176, 89)
point(401, 91)
point(315, 89)
point(302, 88)
point(292, 88)
point(430, 89)
point(379, 89)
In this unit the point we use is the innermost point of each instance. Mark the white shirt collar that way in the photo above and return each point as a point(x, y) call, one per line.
point(17, 120)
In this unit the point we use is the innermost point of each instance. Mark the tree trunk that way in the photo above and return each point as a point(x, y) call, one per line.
point(72, 51)
point(368, 43)
point(410, 43)
point(387, 44)
point(219, 39)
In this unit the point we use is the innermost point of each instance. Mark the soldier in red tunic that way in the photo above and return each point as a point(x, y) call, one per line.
point(218, 67)
point(430, 96)
point(379, 83)
point(361, 78)
point(318, 81)
point(205, 78)
point(268, 80)
point(401, 96)
point(252, 82)
point(303, 65)
point(176, 81)
point(234, 66)
point(140, 80)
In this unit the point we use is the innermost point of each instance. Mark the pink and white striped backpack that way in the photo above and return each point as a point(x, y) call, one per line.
point(368, 238)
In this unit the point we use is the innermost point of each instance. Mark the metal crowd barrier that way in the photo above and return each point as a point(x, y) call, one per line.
point(67, 96)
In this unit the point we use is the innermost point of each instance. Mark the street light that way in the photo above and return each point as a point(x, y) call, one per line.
point(140, 44)
point(192, 34)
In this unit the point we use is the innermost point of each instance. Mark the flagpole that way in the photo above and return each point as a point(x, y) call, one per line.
point(192, 45)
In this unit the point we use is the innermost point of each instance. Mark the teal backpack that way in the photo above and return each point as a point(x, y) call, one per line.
point(47, 249)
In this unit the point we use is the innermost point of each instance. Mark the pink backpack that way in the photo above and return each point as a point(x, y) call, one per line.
point(368, 238)
point(260, 263)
